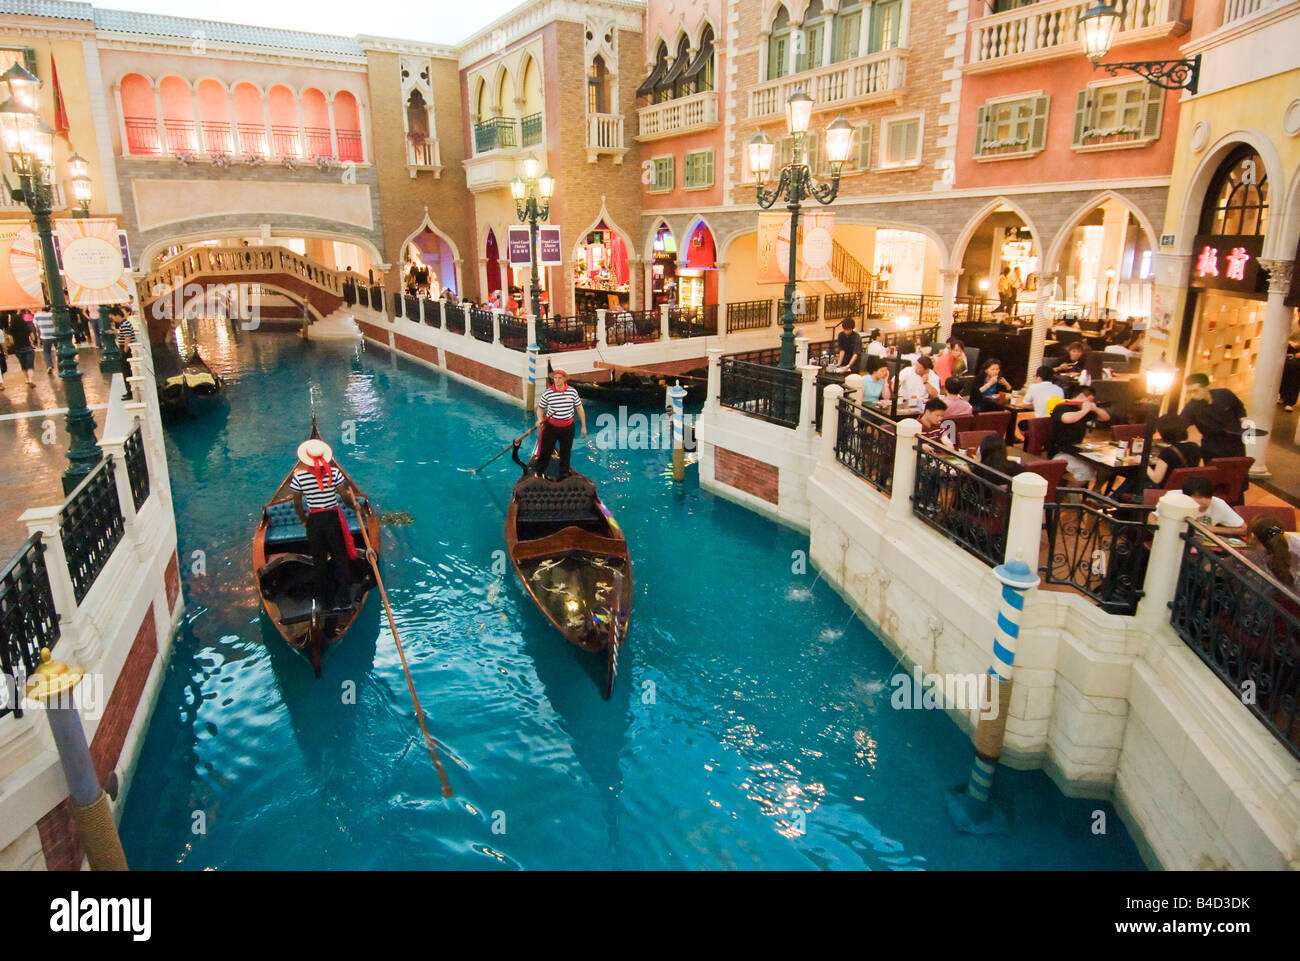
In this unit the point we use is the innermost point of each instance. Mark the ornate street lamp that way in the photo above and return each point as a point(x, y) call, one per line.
point(81, 184)
point(1098, 28)
point(533, 203)
point(795, 184)
point(29, 144)
point(1159, 378)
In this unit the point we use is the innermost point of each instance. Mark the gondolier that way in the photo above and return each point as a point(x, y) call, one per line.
point(555, 412)
point(318, 483)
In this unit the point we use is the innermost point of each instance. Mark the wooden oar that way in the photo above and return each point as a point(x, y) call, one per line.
point(419, 712)
point(517, 440)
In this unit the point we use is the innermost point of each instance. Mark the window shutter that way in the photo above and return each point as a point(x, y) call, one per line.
point(1081, 105)
point(706, 178)
point(1038, 131)
point(670, 173)
point(981, 129)
point(864, 146)
point(29, 60)
point(1152, 110)
point(810, 152)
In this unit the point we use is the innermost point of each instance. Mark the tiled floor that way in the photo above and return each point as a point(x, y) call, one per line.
point(34, 441)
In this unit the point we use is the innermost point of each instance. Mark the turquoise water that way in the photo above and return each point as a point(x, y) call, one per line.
point(751, 725)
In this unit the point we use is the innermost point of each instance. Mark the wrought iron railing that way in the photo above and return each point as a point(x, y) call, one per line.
point(556, 334)
point(498, 132)
point(377, 298)
point(514, 332)
point(768, 393)
point(1245, 626)
point(917, 335)
point(319, 142)
point(91, 527)
point(410, 306)
point(480, 324)
point(137, 467)
point(530, 129)
point(285, 141)
point(432, 313)
point(349, 146)
point(28, 621)
point(836, 307)
point(749, 315)
point(693, 321)
point(142, 135)
point(455, 318)
point(967, 502)
point(1098, 547)
point(865, 443)
point(631, 326)
point(349, 293)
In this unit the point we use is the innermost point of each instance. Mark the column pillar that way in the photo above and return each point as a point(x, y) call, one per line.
point(830, 422)
point(722, 299)
point(1025, 524)
point(1270, 361)
point(158, 116)
point(800, 350)
point(808, 400)
point(602, 332)
point(663, 323)
point(948, 297)
point(266, 119)
point(199, 146)
point(715, 379)
point(1165, 561)
point(1038, 337)
point(496, 325)
point(334, 133)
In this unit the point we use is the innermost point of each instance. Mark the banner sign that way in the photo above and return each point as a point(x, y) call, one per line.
point(92, 261)
point(20, 268)
point(548, 247)
point(518, 247)
point(815, 248)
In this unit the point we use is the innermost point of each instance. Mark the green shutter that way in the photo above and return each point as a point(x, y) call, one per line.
point(1038, 131)
point(813, 37)
point(1081, 105)
point(981, 129)
point(1152, 110)
point(864, 146)
point(708, 169)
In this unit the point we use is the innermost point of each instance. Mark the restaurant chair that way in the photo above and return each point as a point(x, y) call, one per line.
point(992, 420)
point(962, 423)
point(1233, 471)
point(972, 360)
point(1128, 432)
point(1052, 471)
point(1038, 431)
point(967, 439)
point(1280, 513)
point(1175, 478)
point(1153, 494)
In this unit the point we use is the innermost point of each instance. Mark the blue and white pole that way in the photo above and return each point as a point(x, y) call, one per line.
point(530, 386)
point(970, 806)
point(677, 394)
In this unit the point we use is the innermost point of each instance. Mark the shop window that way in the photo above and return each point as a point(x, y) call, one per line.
point(697, 169)
point(846, 31)
point(1117, 113)
point(778, 46)
point(901, 142)
point(1011, 127)
point(661, 180)
point(886, 19)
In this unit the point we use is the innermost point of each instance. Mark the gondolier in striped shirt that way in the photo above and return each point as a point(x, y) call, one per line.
point(555, 412)
point(317, 483)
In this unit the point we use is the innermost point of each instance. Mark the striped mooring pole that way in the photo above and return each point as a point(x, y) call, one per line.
point(676, 394)
point(530, 385)
point(970, 805)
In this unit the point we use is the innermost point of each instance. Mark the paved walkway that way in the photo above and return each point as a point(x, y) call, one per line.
point(30, 418)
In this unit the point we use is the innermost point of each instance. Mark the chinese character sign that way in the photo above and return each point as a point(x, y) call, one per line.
point(1207, 264)
point(1237, 263)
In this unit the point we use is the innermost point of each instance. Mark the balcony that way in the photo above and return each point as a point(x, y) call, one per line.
point(1046, 31)
point(687, 115)
point(1234, 10)
point(605, 136)
point(217, 139)
point(423, 155)
point(530, 128)
point(497, 133)
point(875, 78)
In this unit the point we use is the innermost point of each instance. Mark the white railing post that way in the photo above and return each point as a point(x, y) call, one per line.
point(1165, 561)
point(72, 623)
point(900, 497)
point(800, 351)
point(496, 325)
point(1025, 525)
point(423, 302)
point(715, 379)
point(663, 322)
point(442, 315)
point(602, 333)
point(853, 387)
point(830, 421)
point(807, 400)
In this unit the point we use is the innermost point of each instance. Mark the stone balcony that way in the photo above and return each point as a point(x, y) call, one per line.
point(875, 78)
point(686, 115)
point(1050, 30)
point(605, 136)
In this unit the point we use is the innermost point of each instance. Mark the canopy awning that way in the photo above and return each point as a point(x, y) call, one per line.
point(699, 63)
point(652, 81)
point(673, 75)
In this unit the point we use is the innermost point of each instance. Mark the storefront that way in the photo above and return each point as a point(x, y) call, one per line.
point(600, 272)
point(663, 270)
point(697, 278)
point(1227, 294)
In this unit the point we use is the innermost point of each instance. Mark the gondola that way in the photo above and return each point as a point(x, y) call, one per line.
point(573, 560)
point(282, 569)
point(631, 389)
point(191, 389)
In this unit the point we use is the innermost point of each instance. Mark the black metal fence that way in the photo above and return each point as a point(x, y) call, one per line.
point(480, 324)
point(693, 322)
point(749, 315)
point(137, 466)
point(917, 335)
point(769, 393)
point(865, 444)
point(1098, 547)
point(514, 332)
point(631, 326)
point(91, 527)
point(958, 497)
point(432, 312)
point(455, 318)
point(1245, 626)
point(836, 307)
point(411, 307)
point(28, 621)
point(556, 334)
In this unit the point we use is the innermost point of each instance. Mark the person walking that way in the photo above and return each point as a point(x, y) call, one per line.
point(45, 327)
point(555, 412)
point(25, 339)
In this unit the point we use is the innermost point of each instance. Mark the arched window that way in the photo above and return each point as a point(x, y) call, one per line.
point(214, 118)
point(178, 115)
point(250, 120)
point(650, 86)
point(283, 107)
point(778, 45)
point(886, 22)
point(1237, 201)
point(683, 86)
point(704, 66)
point(846, 32)
point(347, 125)
point(597, 86)
point(316, 124)
point(139, 115)
point(812, 38)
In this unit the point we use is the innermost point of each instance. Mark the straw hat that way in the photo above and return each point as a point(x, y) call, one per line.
point(313, 451)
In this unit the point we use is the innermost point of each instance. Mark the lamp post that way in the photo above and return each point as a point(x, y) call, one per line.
point(984, 295)
point(1159, 377)
point(1098, 28)
point(29, 144)
point(794, 185)
point(533, 203)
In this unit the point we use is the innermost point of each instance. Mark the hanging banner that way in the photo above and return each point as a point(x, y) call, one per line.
point(92, 261)
point(548, 247)
point(21, 265)
point(815, 248)
point(518, 247)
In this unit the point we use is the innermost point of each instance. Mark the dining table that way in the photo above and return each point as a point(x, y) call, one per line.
point(1112, 460)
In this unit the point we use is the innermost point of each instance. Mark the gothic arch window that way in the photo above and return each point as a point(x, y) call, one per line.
point(597, 86)
point(1237, 201)
point(417, 117)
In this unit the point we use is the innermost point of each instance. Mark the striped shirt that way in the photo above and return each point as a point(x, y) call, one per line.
point(304, 482)
point(560, 406)
point(44, 321)
point(126, 330)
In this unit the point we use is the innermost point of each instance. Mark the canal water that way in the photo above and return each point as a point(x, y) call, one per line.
point(751, 726)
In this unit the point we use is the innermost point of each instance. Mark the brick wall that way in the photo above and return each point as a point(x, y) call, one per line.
point(110, 736)
point(415, 348)
point(172, 582)
point(511, 384)
point(59, 841)
point(373, 332)
point(746, 473)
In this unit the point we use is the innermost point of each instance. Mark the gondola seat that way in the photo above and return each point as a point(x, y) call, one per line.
point(285, 528)
point(554, 505)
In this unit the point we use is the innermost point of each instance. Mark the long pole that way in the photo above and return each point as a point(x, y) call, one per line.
point(83, 452)
point(787, 305)
point(532, 247)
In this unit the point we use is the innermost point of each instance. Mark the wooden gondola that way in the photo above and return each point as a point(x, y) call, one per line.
point(573, 560)
point(632, 389)
point(282, 570)
point(191, 388)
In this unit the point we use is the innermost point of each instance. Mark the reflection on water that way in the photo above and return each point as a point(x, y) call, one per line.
point(750, 726)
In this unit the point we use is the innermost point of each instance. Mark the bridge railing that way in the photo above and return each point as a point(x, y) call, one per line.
point(198, 261)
